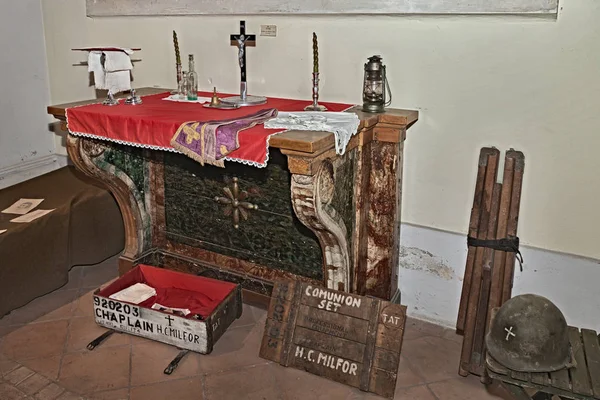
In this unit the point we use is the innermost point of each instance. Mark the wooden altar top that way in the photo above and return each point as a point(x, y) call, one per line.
point(295, 141)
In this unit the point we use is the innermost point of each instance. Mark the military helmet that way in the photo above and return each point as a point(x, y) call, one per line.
point(529, 334)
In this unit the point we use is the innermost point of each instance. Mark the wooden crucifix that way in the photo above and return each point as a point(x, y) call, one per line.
point(241, 41)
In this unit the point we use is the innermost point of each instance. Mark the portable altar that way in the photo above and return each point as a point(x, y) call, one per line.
point(288, 206)
point(189, 312)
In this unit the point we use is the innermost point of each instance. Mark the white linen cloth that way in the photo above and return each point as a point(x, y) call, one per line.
point(114, 75)
point(342, 124)
point(175, 97)
point(95, 67)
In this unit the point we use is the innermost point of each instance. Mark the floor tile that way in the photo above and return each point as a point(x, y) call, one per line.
point(6, 328)
point(416, 329)
point(148, 361)
point(69, 396)
point(432, 358)
point(406, 375)
point(91, 371)
point(415, 393)
point(84, 305)
point(55, 305)
point(63, 312)
point(249, 316)
point(96, 275)
point(7, 365)
point(83, 330)
point(37, 335)
point(452, 335)
point(50, 392)
point(35, 340)
point(118, 394)
point(33, 384)
point(182, 389)
point(18, 375)
point(46, 366)
point(9, 392)
point(252, 383)
point(469, 388)
point(295, 384)
point(236, 348)
point(75, 277)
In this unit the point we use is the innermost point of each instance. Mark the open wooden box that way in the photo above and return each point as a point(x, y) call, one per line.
point(214, 305)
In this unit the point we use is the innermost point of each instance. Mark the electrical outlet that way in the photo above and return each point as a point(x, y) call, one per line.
point(268, 30)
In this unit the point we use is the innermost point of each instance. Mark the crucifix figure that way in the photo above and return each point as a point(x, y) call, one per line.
point(241, 41)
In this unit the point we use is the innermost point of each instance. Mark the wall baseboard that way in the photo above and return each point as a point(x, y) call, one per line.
point(18, 173)
point(432, 266)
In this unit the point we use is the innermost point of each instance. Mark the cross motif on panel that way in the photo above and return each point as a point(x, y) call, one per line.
point(509, 333)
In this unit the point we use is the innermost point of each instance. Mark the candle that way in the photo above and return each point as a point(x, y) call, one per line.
point(176, 45)
point(315, 54)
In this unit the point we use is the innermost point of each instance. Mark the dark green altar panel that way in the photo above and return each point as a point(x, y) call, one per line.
point(272, 236)
point(130, 160)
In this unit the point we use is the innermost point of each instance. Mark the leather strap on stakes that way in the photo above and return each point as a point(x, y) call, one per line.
point(509, 244)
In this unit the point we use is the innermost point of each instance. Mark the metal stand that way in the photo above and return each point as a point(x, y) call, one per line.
point(315, 105)
point(133, 99)
point(243, 99)
point(110, 100)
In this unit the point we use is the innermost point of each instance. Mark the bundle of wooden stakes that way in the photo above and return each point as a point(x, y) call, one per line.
point(489, 272)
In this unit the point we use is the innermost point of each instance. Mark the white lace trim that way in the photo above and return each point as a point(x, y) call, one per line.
point(340, 142)
point(172, 150)
point(342, 124)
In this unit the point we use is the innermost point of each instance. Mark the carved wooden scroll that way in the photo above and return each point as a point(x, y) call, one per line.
point(90, 156)
point(310, 195)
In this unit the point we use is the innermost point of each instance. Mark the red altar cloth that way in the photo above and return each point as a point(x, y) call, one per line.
point(153, 123)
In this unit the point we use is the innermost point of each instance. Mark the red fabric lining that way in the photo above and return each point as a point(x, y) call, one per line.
point(154, 122)
point(199, 294)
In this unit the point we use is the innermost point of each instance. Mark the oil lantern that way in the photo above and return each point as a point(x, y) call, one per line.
point(375, 86)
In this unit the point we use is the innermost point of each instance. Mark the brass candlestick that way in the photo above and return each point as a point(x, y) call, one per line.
point(177, 64)
point(315, 106)
point(215, 101)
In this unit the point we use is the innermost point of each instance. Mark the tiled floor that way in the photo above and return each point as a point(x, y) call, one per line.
point(43, 356)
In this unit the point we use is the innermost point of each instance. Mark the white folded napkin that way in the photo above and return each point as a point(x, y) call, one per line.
point(95, 66)
point(118, 81)
point(117, 61)
point(135, 294)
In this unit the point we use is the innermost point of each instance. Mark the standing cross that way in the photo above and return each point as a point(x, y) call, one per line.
point(169, 319)
point(509, 333)
point(241, 41)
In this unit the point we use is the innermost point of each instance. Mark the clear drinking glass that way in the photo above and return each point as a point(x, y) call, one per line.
point(182, 89)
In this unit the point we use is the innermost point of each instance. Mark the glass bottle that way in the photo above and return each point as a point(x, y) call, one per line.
point(192, 81)
point(182, 89)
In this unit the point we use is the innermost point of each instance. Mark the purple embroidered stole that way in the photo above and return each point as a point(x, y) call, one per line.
point(209, 142)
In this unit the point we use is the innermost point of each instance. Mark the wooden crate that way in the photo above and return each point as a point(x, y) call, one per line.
point(198, 334)
point(581, 382)
point(355, 340)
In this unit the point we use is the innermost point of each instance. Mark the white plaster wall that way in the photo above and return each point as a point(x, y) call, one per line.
point(26, 145)
point(529, 83)
point(432, 265)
